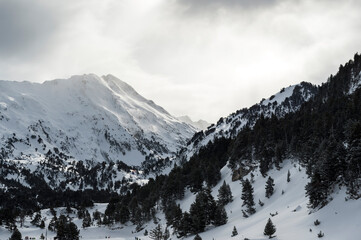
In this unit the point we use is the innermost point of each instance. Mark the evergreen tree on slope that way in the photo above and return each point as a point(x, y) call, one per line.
point(247, 197)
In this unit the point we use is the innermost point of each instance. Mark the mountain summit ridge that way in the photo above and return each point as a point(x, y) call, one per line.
point(289, 99)
point(86, 115)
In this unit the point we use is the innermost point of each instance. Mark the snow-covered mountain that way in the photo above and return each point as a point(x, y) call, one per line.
point(287, 100)
point(86, 117)
point(293, 159)
point(199, 125)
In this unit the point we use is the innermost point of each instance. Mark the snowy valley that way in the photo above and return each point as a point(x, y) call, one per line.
point(88, 156)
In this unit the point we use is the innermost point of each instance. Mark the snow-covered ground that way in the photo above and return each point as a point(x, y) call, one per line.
point(340, 219)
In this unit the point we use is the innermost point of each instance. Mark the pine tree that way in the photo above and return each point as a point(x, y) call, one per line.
point(247, 197)
point(166, 234)
point(320, 234)
point(317, 189)
point(66, 230)
point(353, 172)
point(68, 209)
point(16, 235)
point(42, 237)
point(224, 194)
point(72, 231)
point(269, 187)
point(97, 217)
point(42, 224)
point(53, 212)
point(288, 176)
point(36, 219)
point(220, 217)
point(174, 216)
point(196, 180)
point(197, 237)
point(52, 224)
point(269, 229)
point(186, 225)
point(86, 220)
point(234, 232)
point(156, 233)
point(203, 210)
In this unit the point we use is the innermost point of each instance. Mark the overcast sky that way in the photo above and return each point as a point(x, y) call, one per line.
point(202, 58)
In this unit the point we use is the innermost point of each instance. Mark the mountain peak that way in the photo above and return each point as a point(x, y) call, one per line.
point(89, 117)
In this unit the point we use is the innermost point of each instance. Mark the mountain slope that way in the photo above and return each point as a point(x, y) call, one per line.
point(292, 218)
point(319, 142)
point(286, 101)
point(87, 118)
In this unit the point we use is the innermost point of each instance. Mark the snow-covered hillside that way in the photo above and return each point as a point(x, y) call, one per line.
point(287, 208)
point(86, 117)
point(292, 217)
point(287, 100)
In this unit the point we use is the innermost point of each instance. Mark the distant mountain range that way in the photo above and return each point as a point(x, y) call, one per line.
point(199, 125)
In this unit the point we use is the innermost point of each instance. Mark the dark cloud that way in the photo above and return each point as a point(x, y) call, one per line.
point(200, 6)
point(26, 27)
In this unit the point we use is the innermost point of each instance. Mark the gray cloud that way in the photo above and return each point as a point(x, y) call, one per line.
point(198, 6)
point(26, 27)
point(202, 58)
